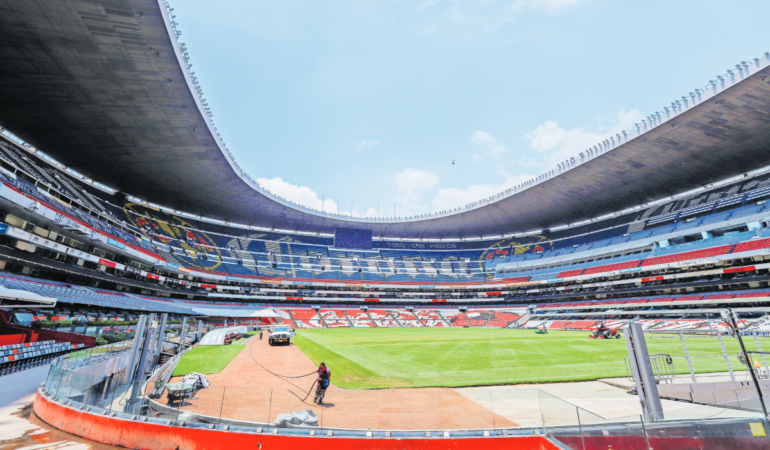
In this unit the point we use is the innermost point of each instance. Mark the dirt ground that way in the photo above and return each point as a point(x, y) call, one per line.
point(247, 391)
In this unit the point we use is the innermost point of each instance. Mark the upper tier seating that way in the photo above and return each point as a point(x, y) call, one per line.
point(570, 273)
point(703, 253)
point(754, 244)
point(612, 267)
point(77, 295)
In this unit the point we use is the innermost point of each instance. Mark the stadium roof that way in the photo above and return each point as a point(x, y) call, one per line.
point(101, 86)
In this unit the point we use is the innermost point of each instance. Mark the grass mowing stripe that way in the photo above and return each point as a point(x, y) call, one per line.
point(345, 372)
point(404, 357)
point(206, 359)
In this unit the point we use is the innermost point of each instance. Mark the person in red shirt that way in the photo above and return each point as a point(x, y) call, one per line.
point(323, 381)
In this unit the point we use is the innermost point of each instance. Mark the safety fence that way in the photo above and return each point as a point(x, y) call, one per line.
point(698, 356)
point(94, 381)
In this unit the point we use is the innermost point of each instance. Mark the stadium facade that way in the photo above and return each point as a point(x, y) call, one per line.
point(88, 163)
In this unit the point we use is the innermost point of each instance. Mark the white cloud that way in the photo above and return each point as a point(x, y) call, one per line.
point(450, 198)
point(425, 5)
point(483, 138)
point(367, 144)
point(559, 144)
point(409, 182)
point(547, 5)
point(301, 195)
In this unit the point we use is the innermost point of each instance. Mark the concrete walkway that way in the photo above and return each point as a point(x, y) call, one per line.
point(558, 403)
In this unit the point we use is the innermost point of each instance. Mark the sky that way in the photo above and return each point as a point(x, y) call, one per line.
point(370, 107)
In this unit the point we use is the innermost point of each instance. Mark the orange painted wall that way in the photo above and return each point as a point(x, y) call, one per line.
point(147, 436)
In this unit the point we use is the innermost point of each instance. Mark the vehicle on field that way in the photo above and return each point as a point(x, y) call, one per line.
point(602, 332)
point(279, 336)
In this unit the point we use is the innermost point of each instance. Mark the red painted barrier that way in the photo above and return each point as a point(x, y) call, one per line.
point(141, 435)
point(12, 339)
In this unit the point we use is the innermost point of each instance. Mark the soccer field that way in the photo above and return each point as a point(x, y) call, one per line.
point(417, 357)
point(374, 358)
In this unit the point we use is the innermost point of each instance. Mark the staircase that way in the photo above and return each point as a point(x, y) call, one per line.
point(418, 319)
point(443, 319)
point(323, 321)
point(466, 318)
point(347, 319)
point(370, 318)
point(521, 320)
point(291, 316)
point(395, 319)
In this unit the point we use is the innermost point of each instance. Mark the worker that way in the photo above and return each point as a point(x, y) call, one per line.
point(324, 378)
point(260, 334)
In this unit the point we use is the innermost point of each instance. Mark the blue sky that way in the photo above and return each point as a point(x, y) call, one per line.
point(370, 101)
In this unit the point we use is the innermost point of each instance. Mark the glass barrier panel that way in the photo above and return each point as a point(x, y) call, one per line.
point(97, 391)
point(739, 433)
point(618, 432)
point(87, 388)
point(54, 379)
point(556, 412)
point(121, 392)
point(513, 407)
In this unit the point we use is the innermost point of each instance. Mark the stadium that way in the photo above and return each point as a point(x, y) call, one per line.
point(617, 300)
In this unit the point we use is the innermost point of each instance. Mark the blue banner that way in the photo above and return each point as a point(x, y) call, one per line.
point(115, 243)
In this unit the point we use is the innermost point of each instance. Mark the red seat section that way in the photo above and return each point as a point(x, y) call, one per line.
point(515, 279)
point(501, 319)
point(359, 318)
point(306, 318)
point(335, 318)
point(748, 246)
point(430, 318)
point(383, 319)
point(754, 294)
point(478, 317)
point(689, 298)
point(570, 273)
point(638, 300)
point(611, 267)
point(457, 319)
point(407, 319)
point(580, 325)
point(720, 296)
point(705, 253)
point(662, 299)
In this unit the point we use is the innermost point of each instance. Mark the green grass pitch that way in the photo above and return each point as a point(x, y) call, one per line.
point(417, 357)
point(206, 359)
point(376, 358)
